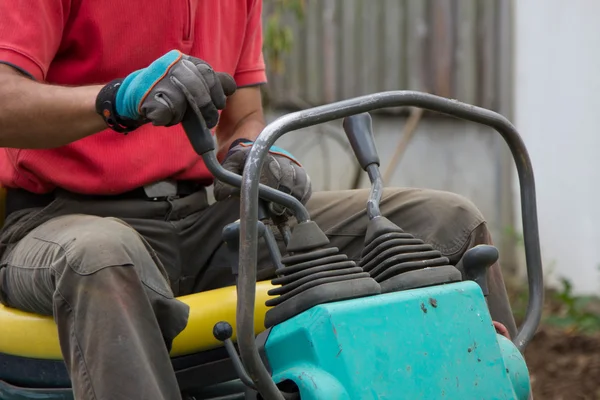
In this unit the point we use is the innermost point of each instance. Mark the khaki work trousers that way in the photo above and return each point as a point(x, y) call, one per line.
point(101, 267)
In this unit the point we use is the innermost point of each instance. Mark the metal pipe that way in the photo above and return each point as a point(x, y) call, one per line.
point(266, 192)
point(376, 191)
point(274, 252)
point(341, 109)
point(237, 364)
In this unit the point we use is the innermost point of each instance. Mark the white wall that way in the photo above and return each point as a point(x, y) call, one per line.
point(557, 105)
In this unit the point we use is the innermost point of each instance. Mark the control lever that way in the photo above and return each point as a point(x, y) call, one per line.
point(476, 262)
point(197, 132)
point(223, 331)
point(203, 143)
point(231, 237)
point(359, 130)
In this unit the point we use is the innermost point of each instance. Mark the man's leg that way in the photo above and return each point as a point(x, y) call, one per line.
point(114, 309)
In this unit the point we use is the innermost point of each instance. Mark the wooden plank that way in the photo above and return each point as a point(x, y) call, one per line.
point(466, 51)
point(393, 76)
point(329, 50)
point(313, 77)
point(294, 71)
point(417, 32)
point(338, 20)
point(349, 49)
point(506, 175)
point(487, 51)
point(280, 81)
point(441, 44)
point(345, 48)
point(368, 52)
point(504, 58)
point(273, 87)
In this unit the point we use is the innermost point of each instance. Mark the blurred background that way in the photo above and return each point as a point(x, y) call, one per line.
point(535, 62)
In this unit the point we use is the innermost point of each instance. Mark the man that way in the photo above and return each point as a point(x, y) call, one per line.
point(108, 215)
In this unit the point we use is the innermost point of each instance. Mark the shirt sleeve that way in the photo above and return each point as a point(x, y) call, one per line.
point(251, 65)
point(30, 35)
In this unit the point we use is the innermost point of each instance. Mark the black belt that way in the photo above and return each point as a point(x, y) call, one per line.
point(19, 199)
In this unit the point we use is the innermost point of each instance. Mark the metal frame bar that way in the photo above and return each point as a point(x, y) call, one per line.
point(313, 116)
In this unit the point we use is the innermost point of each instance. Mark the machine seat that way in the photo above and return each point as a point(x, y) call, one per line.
point(32, 336)
point(30, 354)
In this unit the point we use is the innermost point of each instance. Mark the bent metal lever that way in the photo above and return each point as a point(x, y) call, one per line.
point(203, 143)
point(359, 130)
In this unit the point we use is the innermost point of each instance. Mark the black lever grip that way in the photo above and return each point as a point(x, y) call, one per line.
point(197, 132)
point(476, 262)
point(359, 130)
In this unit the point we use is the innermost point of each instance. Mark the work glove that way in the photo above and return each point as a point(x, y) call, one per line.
point(157, 93)
point(280, 171)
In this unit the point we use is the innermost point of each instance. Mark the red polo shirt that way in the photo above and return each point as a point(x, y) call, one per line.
point(77, 42)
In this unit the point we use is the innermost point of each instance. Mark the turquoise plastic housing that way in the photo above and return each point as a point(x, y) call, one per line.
point(430, 343)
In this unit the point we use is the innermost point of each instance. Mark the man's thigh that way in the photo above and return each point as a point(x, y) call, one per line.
point(76, 244)
point(443, 219)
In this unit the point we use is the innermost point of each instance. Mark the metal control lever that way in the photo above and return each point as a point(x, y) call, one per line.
point(231, 237)
point(203, 143)
point(359, 130)
point(223, 331)
point(476, 262)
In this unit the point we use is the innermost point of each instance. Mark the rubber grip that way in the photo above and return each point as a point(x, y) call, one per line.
point(359, 129)
point(197, 132)
point(476, 262)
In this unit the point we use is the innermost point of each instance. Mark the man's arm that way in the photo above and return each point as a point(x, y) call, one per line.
point(242, 118)
point(36, 115)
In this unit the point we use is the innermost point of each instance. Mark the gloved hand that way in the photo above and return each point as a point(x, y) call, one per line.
point(280, 171)
point(156, 93)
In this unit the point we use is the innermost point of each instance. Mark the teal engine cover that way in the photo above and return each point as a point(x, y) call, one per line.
point(430, 343)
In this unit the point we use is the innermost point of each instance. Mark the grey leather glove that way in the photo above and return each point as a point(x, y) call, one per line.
point(159, 93)
point(280, 171)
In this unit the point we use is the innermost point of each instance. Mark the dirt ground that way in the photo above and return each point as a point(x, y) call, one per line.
point(563, 365)
point(563, 361)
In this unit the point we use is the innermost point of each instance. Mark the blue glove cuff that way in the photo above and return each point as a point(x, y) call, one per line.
point(137, 85)
point(105, 107)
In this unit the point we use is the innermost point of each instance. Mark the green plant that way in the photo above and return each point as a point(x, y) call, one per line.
point(562, 308)
point(511, 233)
point(278, 38)
point(574, 313)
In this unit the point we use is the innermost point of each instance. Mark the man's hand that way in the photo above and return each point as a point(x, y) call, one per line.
point(281, 171)
point(160, 93)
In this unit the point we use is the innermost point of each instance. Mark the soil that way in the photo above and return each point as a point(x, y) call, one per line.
point(564, 365)
point(564, 356)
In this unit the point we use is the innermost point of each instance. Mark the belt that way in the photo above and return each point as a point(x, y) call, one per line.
point(19, 199)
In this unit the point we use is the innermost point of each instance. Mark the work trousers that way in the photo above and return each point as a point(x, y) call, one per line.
point(108, 271)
